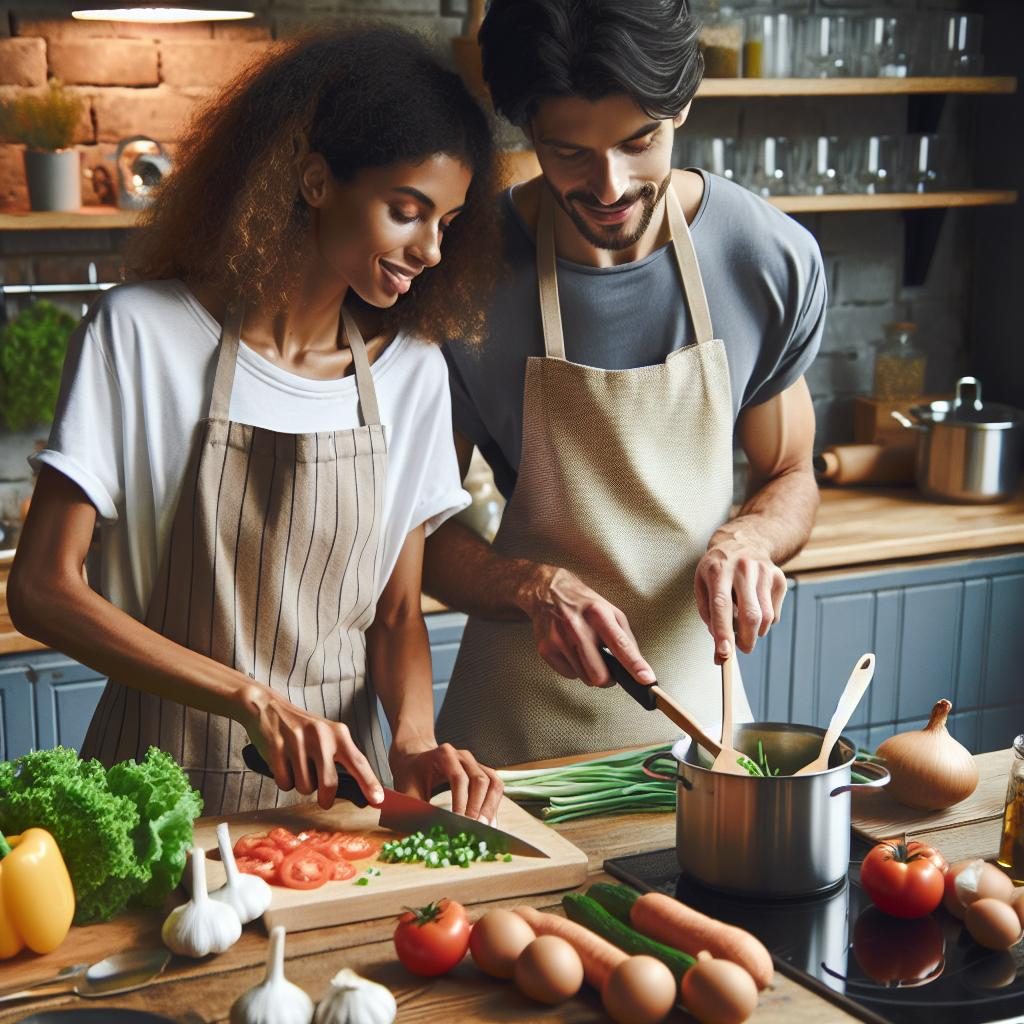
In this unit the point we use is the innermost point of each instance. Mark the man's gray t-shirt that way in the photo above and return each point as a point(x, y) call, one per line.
point(766, 290)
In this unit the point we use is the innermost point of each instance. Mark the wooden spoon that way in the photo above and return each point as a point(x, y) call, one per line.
point(728, 758)
point(848, 701)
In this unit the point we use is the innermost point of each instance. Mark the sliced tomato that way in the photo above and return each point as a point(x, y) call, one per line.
point(344, 846)
point(304, 868)
point(284, 838)
point(265, 869)
point(343, 870)
point(246, 843)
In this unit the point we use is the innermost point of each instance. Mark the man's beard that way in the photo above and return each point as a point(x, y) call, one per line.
point(614, 235)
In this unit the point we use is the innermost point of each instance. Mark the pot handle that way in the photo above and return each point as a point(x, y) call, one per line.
point(869, 768)
point(659, 776)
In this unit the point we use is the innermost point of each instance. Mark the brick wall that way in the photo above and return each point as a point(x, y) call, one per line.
point(148, 80)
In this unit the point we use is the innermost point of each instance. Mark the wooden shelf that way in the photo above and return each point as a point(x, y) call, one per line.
point(89, 217)
point(721, 88)
point(893, 201)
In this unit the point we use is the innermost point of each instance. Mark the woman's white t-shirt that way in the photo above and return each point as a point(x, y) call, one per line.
point(137, 383)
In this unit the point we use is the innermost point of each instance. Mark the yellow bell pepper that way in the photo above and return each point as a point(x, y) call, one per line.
point(37, 901)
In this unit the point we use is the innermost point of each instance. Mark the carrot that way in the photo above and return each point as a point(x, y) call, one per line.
point(675, 924)
point(599, 956)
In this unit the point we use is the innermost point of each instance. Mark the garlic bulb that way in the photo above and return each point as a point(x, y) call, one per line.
point(355, 1000)
point(930, 770)
point(275, 1000)
point(200, 926)
point(249, 895)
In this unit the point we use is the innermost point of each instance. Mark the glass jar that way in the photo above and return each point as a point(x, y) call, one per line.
point(721, 43)
point(899, 364)
point(757, 34)
point(1011, 845)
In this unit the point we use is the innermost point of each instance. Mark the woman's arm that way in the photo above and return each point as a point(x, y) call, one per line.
point(50, 601)
point(398, 654)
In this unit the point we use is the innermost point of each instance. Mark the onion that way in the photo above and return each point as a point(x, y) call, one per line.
point(930, 770)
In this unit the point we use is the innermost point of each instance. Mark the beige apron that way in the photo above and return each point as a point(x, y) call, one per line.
point(270, 568)
point(624, 476)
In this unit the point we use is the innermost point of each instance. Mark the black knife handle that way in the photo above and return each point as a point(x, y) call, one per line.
point(348, 788)
point(643, 695)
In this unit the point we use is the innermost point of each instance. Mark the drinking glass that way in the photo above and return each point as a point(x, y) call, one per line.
point(875, 164)
point(768, 168)
point(716, 154)
point(820, 165)
point(826, 46)
point(924, 169)
point(768, 46)
point(886, 50)
point(958, 45)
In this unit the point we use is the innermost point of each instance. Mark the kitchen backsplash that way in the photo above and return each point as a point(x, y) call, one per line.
point(148, 79)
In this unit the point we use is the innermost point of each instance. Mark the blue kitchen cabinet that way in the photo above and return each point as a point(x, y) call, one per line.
point(17, 711)
point(66, 694)
point(949, 628)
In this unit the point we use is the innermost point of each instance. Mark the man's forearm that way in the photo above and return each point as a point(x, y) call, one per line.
point(464, 572)
point(777, 517)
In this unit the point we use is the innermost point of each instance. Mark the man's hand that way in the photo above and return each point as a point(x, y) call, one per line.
point(419, 768)
point(571, 621)
point(739, 590)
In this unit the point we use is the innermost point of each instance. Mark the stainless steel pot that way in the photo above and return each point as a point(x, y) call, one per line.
point(967, 451)
point(774, 837)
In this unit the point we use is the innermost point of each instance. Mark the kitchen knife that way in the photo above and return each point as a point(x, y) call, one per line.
point(402, 813)
point(654, 698)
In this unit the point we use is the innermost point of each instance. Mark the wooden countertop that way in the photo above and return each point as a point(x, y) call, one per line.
point(858, 526)
point(202, 992)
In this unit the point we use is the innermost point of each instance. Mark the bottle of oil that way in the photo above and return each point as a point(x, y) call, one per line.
point(900, 363)
point(1011, 846)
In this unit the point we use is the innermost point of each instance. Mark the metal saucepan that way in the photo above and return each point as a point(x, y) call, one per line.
point(775, 837)
point(967, 451)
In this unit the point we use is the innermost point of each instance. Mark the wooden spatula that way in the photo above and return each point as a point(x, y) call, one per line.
point(728, 757)
point(654, 698)
point(848, 701)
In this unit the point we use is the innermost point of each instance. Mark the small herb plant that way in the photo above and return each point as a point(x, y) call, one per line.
point(44, 121)
point(32, 348)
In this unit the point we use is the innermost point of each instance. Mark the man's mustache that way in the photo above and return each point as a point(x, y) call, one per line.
point(645, 192)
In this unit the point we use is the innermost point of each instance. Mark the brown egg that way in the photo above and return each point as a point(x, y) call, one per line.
point(549, 970)
point(497, 940)
point(640, 990)
point(968, 881)
point(719, 991)
point(992, 923)
point(1017, 902)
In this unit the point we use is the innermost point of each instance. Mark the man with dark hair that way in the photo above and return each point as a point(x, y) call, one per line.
point(646, 318)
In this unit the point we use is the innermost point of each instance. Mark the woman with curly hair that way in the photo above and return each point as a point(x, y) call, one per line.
point(263, 479)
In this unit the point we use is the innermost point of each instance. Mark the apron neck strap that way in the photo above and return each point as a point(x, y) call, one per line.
point(364, 378)
point(227, 359)
point(547, 277)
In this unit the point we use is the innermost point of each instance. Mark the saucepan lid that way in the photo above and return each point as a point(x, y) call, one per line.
point(968, 410)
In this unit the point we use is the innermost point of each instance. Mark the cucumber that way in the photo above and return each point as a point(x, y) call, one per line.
point(618, 900)
point(589, 913)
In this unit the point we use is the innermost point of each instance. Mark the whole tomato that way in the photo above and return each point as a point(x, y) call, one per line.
point(433, 939)
point(903, 879)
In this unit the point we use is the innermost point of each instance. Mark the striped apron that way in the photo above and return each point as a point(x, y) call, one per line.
point(624, 476)
point(270, 568)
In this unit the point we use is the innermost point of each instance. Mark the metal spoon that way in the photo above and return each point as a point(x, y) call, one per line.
point(848, 701)
point(122, 972)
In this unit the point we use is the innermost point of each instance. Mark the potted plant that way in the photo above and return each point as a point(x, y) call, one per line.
point(45, 123)
point(32, 348)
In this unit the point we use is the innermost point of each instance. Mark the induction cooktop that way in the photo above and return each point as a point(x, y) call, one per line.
point(877, 968)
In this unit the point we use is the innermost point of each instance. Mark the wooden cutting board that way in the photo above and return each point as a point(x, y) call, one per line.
point(877, 816)
point(399, 885)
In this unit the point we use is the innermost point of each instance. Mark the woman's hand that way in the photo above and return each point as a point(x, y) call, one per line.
point(420, 768)
point(302, 749)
